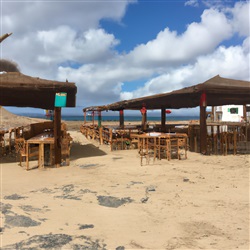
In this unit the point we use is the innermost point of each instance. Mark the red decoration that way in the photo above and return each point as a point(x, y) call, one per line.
point(121, 112)
point(203, 100)
point(168, 111)
point(143, 110)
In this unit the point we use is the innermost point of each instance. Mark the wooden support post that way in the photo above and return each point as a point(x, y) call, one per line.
point(245, 112)
point(203, 131)
point(111, 139)
point(85, 114)
point(144, 117)
point(163, 120)
point(93, 117)
point(144, 121)
point(121, 113)
point(99, 118)
point(235, 140)
point(245, 119)
point(57, 135)
point(101, 135)
point(212, 115)
point(10, 133)
point(203, 124)
point(218, 137)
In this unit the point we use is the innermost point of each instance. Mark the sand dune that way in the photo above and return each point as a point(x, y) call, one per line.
point(8, 119)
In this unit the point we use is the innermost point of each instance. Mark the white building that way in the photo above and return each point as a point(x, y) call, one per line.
point(229, 113)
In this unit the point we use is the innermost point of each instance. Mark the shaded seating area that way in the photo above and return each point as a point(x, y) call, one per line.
point(50, 138)
point(159, 146)
point(149, 145)
point(117, 138)
point(36, 142)
point(222, 138)
point(202, 136)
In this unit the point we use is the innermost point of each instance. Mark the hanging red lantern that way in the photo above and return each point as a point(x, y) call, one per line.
point(203, 99)
point(168, 111)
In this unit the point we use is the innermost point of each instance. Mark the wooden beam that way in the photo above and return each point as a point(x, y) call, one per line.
point(163, 120)
point(57, 135)
point(4, 36)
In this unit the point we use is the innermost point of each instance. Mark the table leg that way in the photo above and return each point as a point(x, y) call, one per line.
point(41, 156)
point(51, 154)
point(27, 156)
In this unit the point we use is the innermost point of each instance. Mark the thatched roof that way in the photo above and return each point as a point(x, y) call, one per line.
point(21, 90)
point(219, 91)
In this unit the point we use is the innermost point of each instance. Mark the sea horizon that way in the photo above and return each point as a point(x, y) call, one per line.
point(114, 117)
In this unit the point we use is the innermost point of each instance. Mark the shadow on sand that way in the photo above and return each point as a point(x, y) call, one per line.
point(77, 151)
point(82, 151)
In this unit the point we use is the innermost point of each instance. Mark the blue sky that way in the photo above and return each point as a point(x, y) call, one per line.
point(116, 50)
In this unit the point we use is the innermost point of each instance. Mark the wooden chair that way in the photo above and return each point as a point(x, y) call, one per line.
point(20, 147)
point(21, 150)
point(173, 148)
point(65, 148)
point(182, 148)
point(163, 148)
point(2, 144)
point(147, 148)
point(119, 140)
point(223, 143)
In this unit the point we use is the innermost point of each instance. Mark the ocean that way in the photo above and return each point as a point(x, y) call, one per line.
point(116, 118)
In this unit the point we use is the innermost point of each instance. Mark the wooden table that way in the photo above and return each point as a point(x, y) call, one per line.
point(40, 140)
point(155, 142)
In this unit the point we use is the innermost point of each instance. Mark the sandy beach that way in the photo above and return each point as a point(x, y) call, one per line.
point(107, 200)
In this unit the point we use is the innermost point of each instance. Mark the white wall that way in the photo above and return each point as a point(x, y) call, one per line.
point(228, 115)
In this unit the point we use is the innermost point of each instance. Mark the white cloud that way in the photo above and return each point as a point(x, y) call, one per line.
point(42, 46)
point(232, 62)
point(64, 44)
point(241, 18)
point(22, 17)
point(193, 3)
point(167, 53)
point(170, 48)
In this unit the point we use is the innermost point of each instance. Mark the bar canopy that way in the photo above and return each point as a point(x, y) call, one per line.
point(219, 91)
point(21, 90)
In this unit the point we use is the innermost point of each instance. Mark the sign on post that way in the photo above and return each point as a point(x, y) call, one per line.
point(61, 99)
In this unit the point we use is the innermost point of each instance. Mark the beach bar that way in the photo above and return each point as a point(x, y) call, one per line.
point(216, 91)
point(20, 90)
